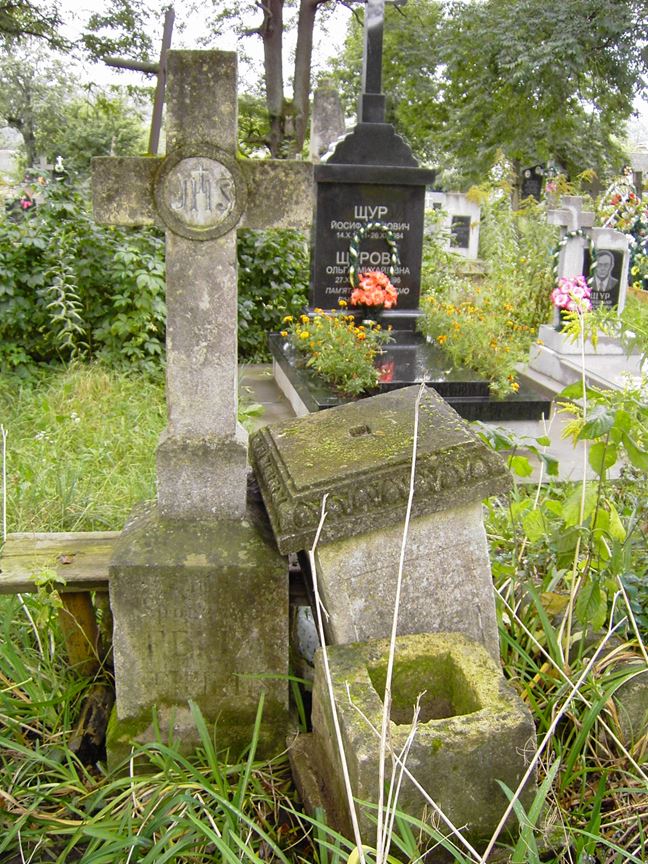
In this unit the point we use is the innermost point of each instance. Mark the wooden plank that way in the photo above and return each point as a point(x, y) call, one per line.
point(80, 632)
point(80, 559)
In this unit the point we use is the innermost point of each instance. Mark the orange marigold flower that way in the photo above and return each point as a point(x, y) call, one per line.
point(442, 339)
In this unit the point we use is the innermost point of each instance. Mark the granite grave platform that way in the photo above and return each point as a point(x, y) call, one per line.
point(408, 360)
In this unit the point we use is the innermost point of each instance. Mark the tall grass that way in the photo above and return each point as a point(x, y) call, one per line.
point(591, 806)
point(80, 447)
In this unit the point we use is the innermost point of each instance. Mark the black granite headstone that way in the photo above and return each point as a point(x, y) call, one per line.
point(460, 232)
point(531, 182)
point(371, 176)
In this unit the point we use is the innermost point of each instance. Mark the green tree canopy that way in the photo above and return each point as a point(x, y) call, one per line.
point(95, 123)
point(468, 82)
point(116, 26)
point(536, 79)
point(56, 116)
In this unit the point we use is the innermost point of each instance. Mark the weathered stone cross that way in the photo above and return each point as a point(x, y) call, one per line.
point(571, 217)
point(200, 192)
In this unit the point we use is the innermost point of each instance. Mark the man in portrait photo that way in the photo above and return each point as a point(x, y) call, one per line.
point(605, 287)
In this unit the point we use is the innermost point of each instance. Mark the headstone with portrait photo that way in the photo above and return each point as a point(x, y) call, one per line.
point(606, 267)
point(531, 181)
point(601, 255)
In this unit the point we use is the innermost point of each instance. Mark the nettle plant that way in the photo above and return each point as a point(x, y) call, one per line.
point(72, 289)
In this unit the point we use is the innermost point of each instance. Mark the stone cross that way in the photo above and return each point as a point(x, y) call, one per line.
point(571, 217)
point(200, 193)
point(372, 100)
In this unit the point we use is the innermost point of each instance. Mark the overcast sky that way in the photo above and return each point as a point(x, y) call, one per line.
point(188, 32)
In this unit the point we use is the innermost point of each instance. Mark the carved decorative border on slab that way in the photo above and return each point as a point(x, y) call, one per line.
point(363, 502)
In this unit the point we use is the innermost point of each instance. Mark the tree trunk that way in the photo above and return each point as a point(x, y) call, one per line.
point(515, 184)
point(29, 139)
point(272, 35)
point(303, 59)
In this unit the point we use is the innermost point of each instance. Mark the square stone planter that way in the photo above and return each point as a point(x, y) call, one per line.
point(473, 730)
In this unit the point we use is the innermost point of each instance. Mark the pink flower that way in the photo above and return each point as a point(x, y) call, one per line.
point(559, 298)
point(572, 293)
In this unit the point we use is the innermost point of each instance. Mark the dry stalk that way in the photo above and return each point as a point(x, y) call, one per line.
point(566, 624)
point(331, 695)
point(549, 733)
point(383, 838)
point(568, 681)
point(633, 621)
point(435, 807)
point(397, 775)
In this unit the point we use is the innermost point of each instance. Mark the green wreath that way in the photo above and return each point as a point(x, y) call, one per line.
point(354, 249)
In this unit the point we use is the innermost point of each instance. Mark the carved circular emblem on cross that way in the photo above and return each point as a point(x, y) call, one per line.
point(200, 192)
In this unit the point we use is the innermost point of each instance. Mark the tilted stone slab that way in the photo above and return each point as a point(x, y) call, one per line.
point(360, 455)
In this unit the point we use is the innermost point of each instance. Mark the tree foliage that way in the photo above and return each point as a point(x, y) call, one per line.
point(119, 27)
point(536, 79)
point(33, 89)
point(20, 18)
point(56, 116)
point(95, 123)
point(530, 80)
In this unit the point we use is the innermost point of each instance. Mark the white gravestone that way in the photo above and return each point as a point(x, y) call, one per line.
point(555, 360)
point(461, 221)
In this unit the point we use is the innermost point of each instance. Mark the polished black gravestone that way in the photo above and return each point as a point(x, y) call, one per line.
point(403, 363)
point(370, 178)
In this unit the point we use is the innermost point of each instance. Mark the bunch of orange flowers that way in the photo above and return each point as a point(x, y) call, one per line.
point(374, 289)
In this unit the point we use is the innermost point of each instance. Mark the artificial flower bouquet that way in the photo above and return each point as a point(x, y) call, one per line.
point(374, 290)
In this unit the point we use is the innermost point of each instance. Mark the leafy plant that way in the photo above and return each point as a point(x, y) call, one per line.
point(70, 288)
point(339, 349)
point(273, 283)
point(488, 323)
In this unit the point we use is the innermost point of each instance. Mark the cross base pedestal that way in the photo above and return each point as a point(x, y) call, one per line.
point(200, 613)
point(200, 477)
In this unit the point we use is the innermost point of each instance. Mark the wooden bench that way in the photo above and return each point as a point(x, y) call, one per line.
point(77, 565)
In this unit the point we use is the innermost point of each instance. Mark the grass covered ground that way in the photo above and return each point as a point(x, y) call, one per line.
point(571, 585)
point(80, 448)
